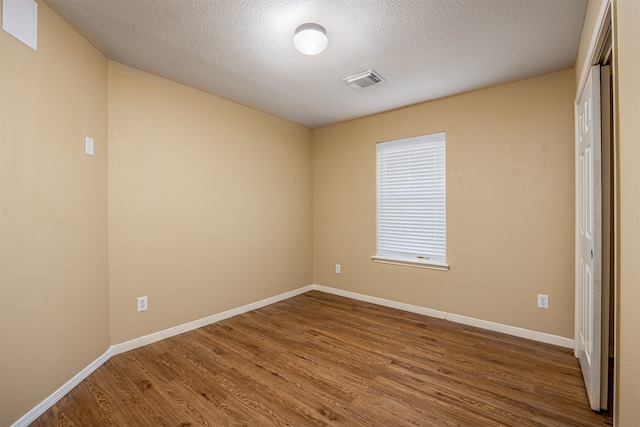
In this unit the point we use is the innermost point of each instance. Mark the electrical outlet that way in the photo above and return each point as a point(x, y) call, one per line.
point(543, 301)
point(337, 268)
point(142, 304)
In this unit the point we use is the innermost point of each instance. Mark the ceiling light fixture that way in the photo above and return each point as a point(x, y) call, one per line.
point(310, 39)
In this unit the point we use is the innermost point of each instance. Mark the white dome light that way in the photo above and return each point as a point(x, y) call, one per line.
point(310, 39)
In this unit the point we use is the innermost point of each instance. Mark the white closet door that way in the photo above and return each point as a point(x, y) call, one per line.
point(589, 251)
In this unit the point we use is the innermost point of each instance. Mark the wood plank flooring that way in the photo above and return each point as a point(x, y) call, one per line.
point(323, 360)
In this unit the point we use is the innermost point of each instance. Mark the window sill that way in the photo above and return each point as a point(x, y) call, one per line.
point(431, 265)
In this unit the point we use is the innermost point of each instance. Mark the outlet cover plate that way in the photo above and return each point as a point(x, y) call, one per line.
point(142, 304)
point(543, 301)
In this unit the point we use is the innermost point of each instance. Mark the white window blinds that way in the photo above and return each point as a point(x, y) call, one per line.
point(411, 190)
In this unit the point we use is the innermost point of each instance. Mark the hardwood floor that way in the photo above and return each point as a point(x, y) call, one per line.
point(319, 359)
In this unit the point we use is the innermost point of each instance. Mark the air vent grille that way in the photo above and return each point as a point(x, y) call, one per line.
point(364, 79)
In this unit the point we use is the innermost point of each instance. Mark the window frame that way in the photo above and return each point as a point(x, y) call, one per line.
point(409, 258)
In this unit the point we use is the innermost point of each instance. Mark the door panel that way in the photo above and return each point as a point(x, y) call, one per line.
point(589, 241)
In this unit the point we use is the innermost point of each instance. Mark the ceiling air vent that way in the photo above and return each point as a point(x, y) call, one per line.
point(365, 79)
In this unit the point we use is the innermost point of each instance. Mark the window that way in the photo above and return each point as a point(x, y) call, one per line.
point(411, 211)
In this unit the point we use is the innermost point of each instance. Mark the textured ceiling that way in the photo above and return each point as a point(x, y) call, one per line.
point(242, 50)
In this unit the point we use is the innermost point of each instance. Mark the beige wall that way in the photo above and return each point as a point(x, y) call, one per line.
point(210, 208)
point(626, 18)
point(510, 227)
point(53, 216)
point(209, 204)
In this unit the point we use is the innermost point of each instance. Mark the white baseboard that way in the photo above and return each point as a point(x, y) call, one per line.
point(41, 408)
point(483, 324)
point(47, 403)
point(31, 416)
point(381, 301)
point(512, 330)
point(185, 327)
